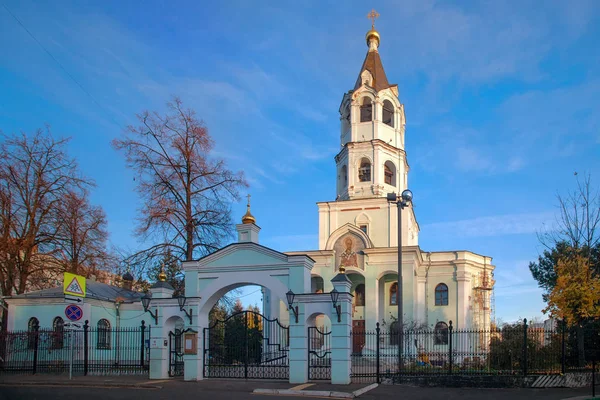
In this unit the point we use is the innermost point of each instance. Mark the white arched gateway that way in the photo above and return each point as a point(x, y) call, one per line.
point(269, 345)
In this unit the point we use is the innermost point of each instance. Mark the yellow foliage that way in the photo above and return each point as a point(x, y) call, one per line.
point(576, 295)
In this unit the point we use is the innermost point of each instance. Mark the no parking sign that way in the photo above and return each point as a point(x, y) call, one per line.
point(73, 312)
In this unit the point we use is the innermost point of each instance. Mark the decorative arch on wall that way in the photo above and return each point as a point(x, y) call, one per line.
point(347, 228)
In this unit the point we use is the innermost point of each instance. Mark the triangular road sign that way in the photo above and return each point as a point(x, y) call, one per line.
point(74, 285)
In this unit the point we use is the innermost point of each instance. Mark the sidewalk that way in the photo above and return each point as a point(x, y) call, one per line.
point(124, 381)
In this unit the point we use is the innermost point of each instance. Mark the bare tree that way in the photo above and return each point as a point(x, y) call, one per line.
point(186, 193)
point(578, 222)
point(81, 235)
point(35, 176)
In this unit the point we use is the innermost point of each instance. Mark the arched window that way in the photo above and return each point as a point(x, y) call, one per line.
point(440, 333)
point(103, 334)
point(32, 331)
point(364, 171)
point(394, 294)
point(366, 110)
point(359, 295)
point(441, 295)
point(388, 113)
point(58, 333)
point(389, 173)
point(345, 174)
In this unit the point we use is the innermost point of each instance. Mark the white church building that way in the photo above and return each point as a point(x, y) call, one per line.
point(358, 231)
point(355, 269)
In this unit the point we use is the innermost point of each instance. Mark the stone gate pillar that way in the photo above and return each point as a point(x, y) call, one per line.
point(193, 364)
point(341, 345)
point(159, 335)
point(298, 347)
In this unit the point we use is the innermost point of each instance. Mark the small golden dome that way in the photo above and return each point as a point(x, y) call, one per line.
point(162, 277)
point(248, 218)
point(373, 33)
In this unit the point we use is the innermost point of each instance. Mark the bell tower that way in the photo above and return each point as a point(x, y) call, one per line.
point(372, 161)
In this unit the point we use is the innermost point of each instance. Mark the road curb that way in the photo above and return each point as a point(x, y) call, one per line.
point(305, 393)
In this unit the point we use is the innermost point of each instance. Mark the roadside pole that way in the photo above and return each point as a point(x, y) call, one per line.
point(72, 328)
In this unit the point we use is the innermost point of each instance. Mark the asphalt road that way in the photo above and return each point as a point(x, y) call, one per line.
point(218, 390)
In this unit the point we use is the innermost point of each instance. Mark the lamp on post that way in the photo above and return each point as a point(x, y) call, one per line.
point(181, 301)
point(403, 200)
point(335, 295)
point(146, 304)
point(290, 299)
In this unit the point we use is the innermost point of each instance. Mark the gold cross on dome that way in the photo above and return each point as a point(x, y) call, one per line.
point(248, 200)
point(373, 15)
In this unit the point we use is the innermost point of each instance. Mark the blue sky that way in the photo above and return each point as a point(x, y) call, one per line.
point(502, 104)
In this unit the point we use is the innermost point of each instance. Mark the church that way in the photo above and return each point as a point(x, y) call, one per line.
point(355, 269)
point(358, 231)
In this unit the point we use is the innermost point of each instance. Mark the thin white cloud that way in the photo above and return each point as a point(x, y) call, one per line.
point(511, 224)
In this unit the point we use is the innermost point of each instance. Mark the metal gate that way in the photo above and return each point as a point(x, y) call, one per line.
point(319, 354)
point(246, 345)
point(176, 353)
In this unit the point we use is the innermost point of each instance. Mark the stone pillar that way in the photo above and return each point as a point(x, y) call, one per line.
point(372, 303)
point(159, 348)
point(341, 345)
point(298, 347)
point(194, 363)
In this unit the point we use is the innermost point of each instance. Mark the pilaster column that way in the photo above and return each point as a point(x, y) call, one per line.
point(421, 304)
point(341, 345)
point(463, 288)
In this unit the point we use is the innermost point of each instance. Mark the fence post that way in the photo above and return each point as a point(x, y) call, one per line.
point(525, 347)
point(563, 354)
point(450, 329)
point(142, 344)
point(377, 334)
point(86, 328)
point(36, 336)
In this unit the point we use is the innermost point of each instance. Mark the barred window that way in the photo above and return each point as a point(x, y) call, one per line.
point(58, 333)
point(32, 331)
point(440, 333)
point(394, 294)
point(441, 295)
point(103, 341)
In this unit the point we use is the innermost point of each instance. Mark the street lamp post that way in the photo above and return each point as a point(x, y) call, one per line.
point(401, 201)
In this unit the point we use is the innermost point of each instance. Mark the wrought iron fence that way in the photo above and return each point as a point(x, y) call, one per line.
point(518, 349)
point(90, 350)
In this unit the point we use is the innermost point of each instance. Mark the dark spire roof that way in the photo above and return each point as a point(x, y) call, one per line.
point(373, 64)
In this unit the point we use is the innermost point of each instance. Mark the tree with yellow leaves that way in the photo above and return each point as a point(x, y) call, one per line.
point(576, 295)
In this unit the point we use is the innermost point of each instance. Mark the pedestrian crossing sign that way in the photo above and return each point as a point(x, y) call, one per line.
point(74, 285)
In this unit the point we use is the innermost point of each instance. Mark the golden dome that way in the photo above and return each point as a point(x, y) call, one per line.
point(248, 218)
point(162, 277)
point(373, 33)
